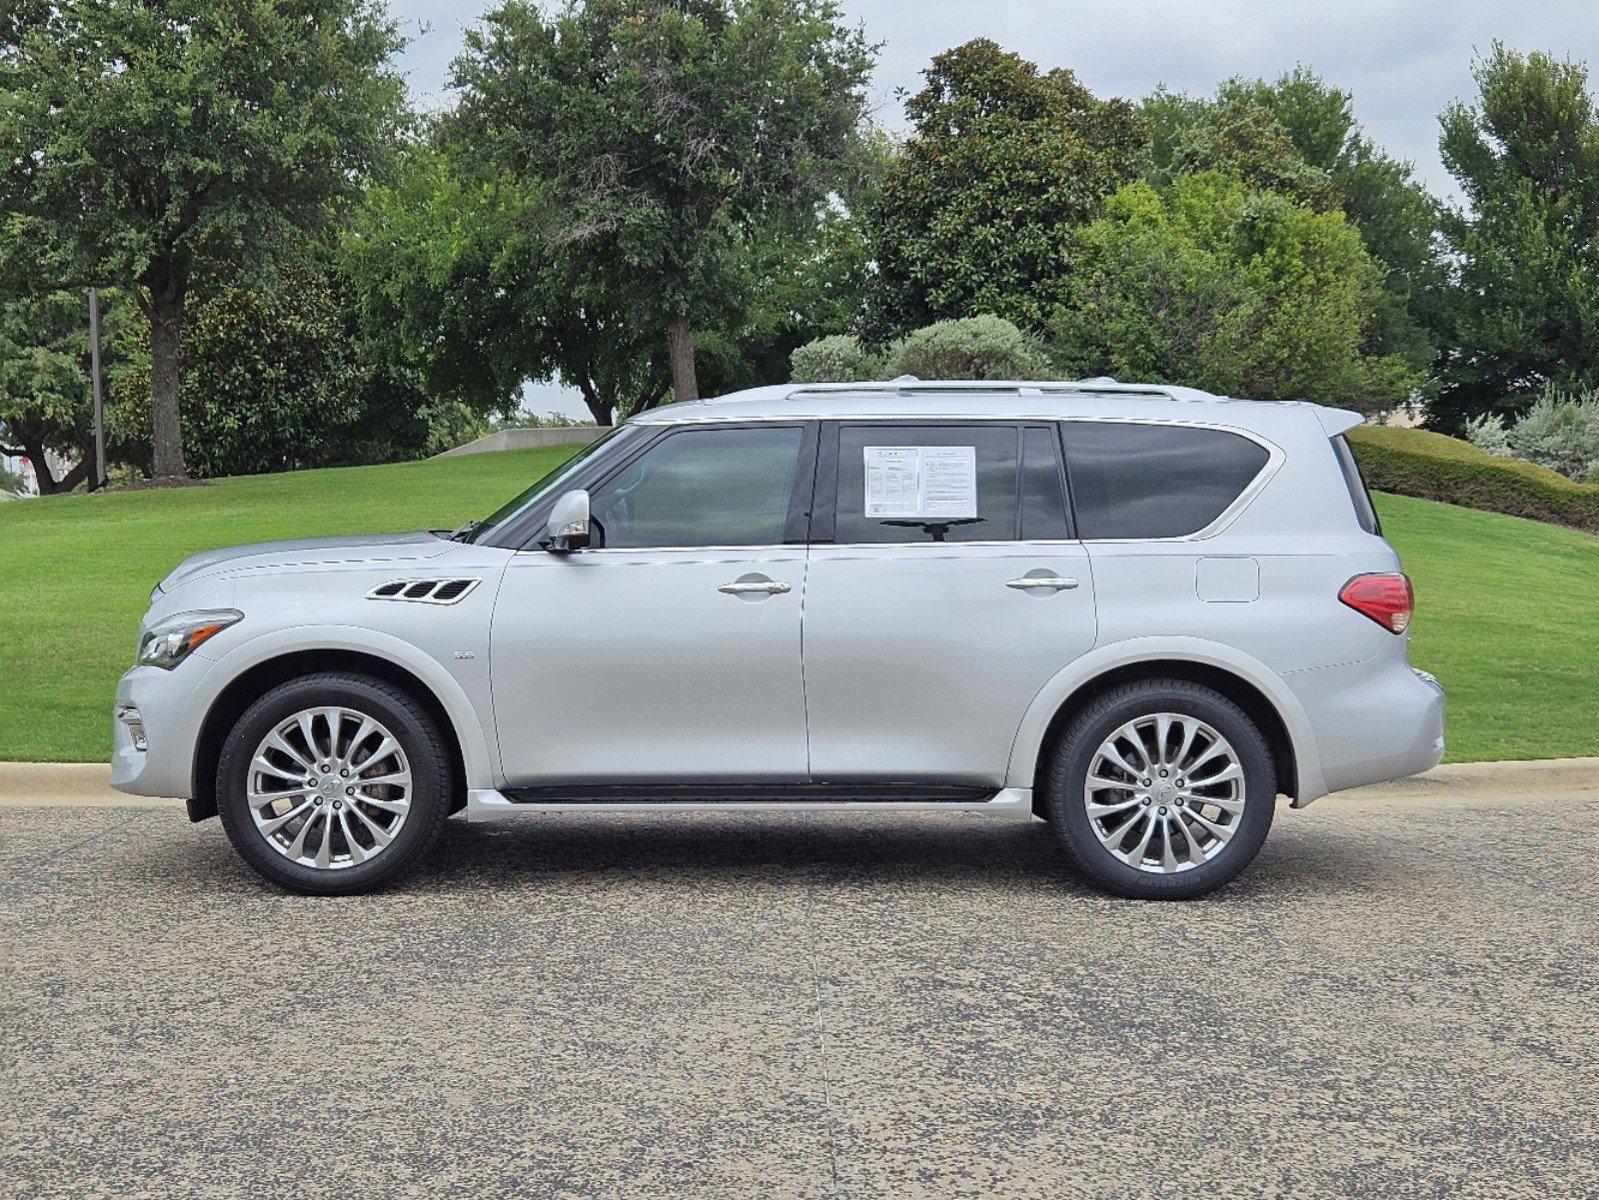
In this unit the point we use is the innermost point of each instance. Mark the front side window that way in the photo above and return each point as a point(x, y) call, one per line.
point(552, 484)
point(926, 483)
point(701, 487)
point(1131, 480)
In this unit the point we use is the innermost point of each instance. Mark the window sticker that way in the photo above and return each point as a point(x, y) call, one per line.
point(921, 481)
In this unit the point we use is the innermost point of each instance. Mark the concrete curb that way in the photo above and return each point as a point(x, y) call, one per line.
point(78, 785)
point(87, 785)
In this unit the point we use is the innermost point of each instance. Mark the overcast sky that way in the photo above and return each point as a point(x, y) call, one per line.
point(1402, 59)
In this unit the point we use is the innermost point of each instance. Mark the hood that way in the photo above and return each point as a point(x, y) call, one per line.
point(310, 552)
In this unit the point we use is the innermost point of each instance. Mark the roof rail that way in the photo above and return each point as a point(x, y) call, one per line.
point(1093, 387)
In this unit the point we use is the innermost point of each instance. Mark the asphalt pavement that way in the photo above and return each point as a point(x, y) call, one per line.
point(1400, 998)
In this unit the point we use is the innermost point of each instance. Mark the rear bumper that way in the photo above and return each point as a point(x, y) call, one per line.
point(1375, 721)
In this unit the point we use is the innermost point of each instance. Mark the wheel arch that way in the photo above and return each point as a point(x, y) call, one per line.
point(1250, 685)
point(260, 677)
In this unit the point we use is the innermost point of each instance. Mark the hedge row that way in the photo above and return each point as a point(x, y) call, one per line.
point(1414, 462)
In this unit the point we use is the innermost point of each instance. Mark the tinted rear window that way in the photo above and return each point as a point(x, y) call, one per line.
point(1131, 480)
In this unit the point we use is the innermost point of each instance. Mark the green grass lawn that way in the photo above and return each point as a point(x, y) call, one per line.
point(1508, 609)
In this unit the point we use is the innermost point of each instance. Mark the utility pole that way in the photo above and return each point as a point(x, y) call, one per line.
point(99, 393)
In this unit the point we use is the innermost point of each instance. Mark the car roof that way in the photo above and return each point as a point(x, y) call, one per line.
point(1023, 399)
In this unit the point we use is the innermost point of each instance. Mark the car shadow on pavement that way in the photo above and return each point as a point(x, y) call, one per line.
point(798, 850)
point(938, 851)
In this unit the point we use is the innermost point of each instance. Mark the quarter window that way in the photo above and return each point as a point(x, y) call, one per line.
point(1359, 494)
point(926, 483)
point(703, 487)
point(1131, 480)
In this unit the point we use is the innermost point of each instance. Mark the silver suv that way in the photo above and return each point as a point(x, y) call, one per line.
point(1139, 613)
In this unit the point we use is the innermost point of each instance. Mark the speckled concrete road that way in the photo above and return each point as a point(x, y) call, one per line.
point(1401, 998)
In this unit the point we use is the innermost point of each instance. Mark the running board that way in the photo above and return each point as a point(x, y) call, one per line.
point(489, 804)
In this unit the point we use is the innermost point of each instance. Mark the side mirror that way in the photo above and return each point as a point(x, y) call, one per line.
point(568, 526)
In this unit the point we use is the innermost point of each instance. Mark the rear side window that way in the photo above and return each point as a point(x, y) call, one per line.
point(1365, 511)
point(927, 483)
point(1131, 480)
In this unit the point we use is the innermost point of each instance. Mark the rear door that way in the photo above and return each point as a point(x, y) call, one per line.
point(945, 588)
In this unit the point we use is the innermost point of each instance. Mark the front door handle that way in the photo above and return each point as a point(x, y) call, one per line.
point(1048, 582)
point(755, 587)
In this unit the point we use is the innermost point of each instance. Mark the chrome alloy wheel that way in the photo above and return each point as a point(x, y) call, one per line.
point(329, 788)
point(1165, 793)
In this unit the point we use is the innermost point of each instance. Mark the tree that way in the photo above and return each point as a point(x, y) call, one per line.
point(150, 143)
point(976, 215)
point(44, 395)
point(1214, 284)
point(1233, 134)
point(1525, 311)
point(648, 134)
point(1298, 136)
point(270, 377)
point(797, 280)
point(456, 281)
point(1398, 219)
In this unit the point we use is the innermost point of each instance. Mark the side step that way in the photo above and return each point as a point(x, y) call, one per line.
point(488, 804)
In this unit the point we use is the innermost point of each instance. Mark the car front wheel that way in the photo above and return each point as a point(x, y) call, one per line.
point(1161, 790)
point(333, 783)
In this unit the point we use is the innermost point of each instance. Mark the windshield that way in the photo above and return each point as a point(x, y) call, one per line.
point(549, 485)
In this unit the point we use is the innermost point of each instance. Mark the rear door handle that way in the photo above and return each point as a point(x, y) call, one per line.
point(1053, 583)
point(755, 587)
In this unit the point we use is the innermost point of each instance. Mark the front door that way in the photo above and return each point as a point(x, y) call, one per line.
point(945, 589)
point(668, 651)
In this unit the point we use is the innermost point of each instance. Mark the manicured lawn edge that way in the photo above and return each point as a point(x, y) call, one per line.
point(1433, 466)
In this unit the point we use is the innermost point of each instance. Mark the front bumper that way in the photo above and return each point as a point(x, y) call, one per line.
point(170, 711)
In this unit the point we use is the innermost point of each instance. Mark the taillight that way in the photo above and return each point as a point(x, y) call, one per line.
point(1386, 599)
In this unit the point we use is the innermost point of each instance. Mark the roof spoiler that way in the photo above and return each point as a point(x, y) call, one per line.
point(1337, 420)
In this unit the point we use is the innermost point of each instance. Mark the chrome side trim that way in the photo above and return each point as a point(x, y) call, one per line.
point(1014, 804)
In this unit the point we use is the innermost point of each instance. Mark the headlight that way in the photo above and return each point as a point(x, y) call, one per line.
point(168, 642)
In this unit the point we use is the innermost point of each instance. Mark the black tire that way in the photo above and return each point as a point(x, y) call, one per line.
point(1067, 768)
point(410, 726)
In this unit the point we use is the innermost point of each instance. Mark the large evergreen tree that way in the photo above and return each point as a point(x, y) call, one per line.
point(144, 143)
point(1211, 283)
point(1297, 136)
point(1525, 312)
point(44, 393)
point(1004, 162)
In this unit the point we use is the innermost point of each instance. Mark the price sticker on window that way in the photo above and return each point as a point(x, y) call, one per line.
point(921, 481)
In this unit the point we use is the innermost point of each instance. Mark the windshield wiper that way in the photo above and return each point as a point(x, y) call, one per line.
point(465, 532)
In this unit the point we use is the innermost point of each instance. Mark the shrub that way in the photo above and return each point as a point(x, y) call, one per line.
point(1488, 434)
point(1561, 432)
point(1415, 462)
point(840, 358)
point(984, 347)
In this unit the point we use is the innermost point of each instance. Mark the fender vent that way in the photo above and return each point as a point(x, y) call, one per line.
point(423, 591)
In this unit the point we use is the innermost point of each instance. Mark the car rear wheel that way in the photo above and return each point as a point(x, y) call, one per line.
point(1161, 790)
point(333, 783)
